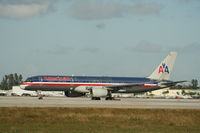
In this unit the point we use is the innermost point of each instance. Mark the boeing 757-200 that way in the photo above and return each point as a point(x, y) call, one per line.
point(104, 86)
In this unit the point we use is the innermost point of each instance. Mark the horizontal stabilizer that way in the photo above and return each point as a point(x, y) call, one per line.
point(172, 83)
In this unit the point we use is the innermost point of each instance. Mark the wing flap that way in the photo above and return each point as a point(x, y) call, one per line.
point(123, 85)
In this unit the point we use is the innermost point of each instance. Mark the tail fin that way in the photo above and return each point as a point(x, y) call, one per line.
point(163, 71)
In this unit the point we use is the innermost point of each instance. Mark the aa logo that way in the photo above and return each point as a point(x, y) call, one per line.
point(163, 68)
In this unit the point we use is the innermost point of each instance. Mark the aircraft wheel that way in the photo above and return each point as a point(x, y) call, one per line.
point(39, 94)
point(109, 98)
point(40, 97)
point(96, 98)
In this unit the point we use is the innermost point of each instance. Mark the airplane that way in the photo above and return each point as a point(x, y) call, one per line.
point(104, 86)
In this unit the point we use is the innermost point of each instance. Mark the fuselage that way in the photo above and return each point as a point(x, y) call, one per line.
point(64, 83)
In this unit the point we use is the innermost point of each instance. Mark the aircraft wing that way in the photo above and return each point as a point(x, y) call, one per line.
point(123, 86)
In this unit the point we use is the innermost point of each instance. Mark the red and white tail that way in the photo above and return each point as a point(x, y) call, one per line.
point(163, 71)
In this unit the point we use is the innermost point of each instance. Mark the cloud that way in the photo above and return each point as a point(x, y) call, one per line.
point(16, 2)
point(22, 11)
point(187, 1)
point(145, 47)
point(190, 48)
point(101, 26)
point(24, 8)
point(95, 9)
point(145, 8)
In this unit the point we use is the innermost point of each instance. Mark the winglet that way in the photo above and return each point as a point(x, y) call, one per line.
point(163, 71)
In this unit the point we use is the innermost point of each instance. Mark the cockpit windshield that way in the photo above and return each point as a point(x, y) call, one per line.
point(33, 79)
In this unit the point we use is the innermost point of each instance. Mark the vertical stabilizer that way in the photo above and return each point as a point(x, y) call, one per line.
point(163, 71)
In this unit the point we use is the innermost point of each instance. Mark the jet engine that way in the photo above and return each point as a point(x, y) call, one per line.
point(99, 92)
point(71, 93)
point(82, 89)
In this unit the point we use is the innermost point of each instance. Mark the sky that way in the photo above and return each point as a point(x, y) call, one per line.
point(99, 37)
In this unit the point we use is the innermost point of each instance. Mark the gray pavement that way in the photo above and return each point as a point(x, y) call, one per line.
point(86, 102)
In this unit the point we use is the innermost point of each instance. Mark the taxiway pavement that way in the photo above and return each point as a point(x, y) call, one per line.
point(87, 102)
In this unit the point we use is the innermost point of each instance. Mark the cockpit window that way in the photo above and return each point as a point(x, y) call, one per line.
point(33, 79)
point(28, 80)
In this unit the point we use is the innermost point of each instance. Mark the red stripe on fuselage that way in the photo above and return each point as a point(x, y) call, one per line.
point(66, 84)
point(149, 85)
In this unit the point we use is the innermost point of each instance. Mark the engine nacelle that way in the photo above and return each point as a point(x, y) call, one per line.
point(82, 89)
point(99, 92)
point(71, 93)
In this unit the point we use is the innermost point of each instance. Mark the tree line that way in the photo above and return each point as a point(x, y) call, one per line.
point(10, 80)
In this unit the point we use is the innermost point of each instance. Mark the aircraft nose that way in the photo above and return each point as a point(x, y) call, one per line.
point(22, 86)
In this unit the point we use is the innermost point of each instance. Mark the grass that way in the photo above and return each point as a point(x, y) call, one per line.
point(98, 120)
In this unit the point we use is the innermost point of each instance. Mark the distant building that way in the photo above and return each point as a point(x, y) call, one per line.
point(3, 93)
point(174, 93)
point(17, 91)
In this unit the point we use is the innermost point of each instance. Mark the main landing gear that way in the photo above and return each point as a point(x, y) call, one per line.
point(109, 96)
point(39, 94)
point(95, 98)
point(98, 98)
